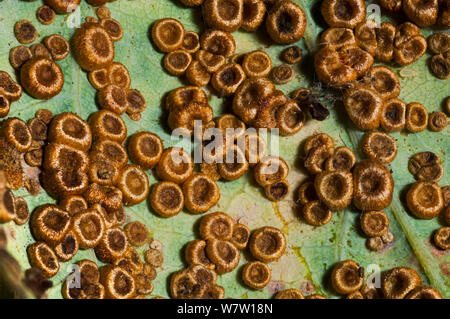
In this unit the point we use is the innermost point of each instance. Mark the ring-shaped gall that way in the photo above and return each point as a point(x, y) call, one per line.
point(373, 186)
point(286, 22)
point(42, 78)
point(200, 193)
point(267, 244)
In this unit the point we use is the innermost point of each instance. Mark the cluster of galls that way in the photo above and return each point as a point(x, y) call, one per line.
point(373, 102)
point(125, 276)
point(203, 59)
point(11, 208)
point(61, 230)
point(349, 48)
point(439, 46)
point(94, 50)
point(217, 252)
point(10, 92)
point(21, 144)
point(40, 75)
point(92, 182)
point(256, 101)
point(231, 158)
point(425, 199)
point(422, 13)
point(347, 279)
point(180, 186)
point(352, 43)
point(339, 180)
point(285, 21)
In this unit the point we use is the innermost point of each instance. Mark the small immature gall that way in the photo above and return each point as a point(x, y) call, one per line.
point(282, 74)
point(292, 55)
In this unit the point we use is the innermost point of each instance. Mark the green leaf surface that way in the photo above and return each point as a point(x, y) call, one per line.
point(311, 250)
